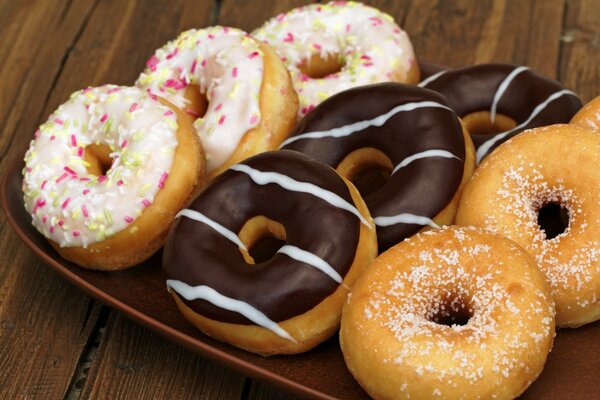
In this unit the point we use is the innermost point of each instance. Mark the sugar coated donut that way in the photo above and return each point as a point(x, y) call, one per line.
point(407, 132)
point(452, 313)
point(236, 90)
point(545, 169)
point(286, 302)
point(106, 174)
point(332, 47)
point(589, 115)
point(498, 101)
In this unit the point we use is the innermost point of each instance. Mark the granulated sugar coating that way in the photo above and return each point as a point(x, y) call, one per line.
point(551, 165)
point(453, 313)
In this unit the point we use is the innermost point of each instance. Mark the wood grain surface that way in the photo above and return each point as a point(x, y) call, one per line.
point(55, 342)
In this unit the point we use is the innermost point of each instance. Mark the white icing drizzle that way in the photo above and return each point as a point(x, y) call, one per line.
point(311, 259)
point(263, 178)
point(405, 218)
point(432, 78)
point(380, 120)
point(197, 216)
point(502, 88)
point(484, 148)
point(211, 295)
point(424, 154)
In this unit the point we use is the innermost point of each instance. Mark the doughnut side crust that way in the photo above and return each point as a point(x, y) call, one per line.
point(555, 164)
point(308, 329)
point(395, 350)
point(147, 234)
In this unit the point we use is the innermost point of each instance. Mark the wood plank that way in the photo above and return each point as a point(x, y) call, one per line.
point(133, 362)
point(580, 49)
point(246, 15)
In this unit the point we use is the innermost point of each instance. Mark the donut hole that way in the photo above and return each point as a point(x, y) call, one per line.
point(452, 310)
point(553, 219)
point(368, 169)
point(317, 67)
point(480, 123)
point(98, 157)
point(197, 102)
point(262, 237)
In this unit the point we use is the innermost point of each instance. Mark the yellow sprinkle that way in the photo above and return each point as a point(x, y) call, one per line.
point(75, 214)
point(143, 189)
point(108, 216)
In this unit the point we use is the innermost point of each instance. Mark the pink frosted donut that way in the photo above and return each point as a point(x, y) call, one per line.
point(236, 89)
point(364, 44)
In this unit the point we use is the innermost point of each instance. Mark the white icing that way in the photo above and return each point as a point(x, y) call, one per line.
point(227, 65)
point(209, 294)
point(486, 146)
point(74, 208)
point(502, 88)
point(264, 178)
point(369, 43)
point(380, 120)
point(405, 219)
point(424, 154)
point(432, 78)
point(311, 259)
point(197, 216)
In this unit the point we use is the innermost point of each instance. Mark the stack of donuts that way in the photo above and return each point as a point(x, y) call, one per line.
point(307, 176)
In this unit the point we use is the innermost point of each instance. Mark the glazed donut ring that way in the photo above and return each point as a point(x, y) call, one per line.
point(117, 218)
point(588, 115)
point(498, 101)
point(332, 47)
point(409, 132)
point(451, 313)
point(235, 89)
point(550, 165)
point(287, 303)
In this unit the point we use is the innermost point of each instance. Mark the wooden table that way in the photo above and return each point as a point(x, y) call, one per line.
point(56, 342)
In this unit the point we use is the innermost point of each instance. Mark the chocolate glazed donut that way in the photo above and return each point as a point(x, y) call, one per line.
point(207, 261)
point(510, 98)
point(408, 131)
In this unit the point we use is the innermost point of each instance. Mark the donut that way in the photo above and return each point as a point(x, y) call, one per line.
point(106, 174)
point(452, 313)
point(408, 136)
point(589, 115)
point(284, 301)
point(498, 101)
point(547, 171)
point(234, 88)
point(332, 47)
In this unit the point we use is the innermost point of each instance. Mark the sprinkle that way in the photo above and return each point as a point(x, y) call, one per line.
point(253, 119)
point(65, 203)
point(84, 211)
point(193, 68)
point(289, 38)
point(102, 178)
point(219, 106)
point(221, 120)
point(317, 46)
point(119, 182)
point(193, 113)
point(63, 176)
point(234, 72)
point(108, 216)
point(163, 178)
point(124, 143)
point(76, 233)
point(37, 133)
point(173, 54)
point(44, 183)
point(376, 21)
point(168, 113)
point(133, 107)
point(211, 36)
point(44, 219)
point(253, 54)
point(70, 171)
point(61, 222)
point(59, 121)
point(348, 27)
point(86, 191)
point(73, 140)
point(52, 137)
point(175, 84)
point(203, 63)
point(128, 219)
point(152, 62)
point(51, 229)
point(146, 202)
point(80, 152)
point(104, 118)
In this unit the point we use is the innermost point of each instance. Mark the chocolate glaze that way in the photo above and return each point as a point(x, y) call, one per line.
point(281, 287)
point(473, 88)
point(425, 186)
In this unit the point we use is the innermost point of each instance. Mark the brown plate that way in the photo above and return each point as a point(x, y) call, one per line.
point(572, 369)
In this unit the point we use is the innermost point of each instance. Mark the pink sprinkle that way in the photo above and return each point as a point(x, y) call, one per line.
point(51, 229)
point(365, 57)
point(219, 106)
point(289, 38)
point(128, 219)
point(211, 36)
point(36, 134)
point(303, 77)
point(203, 63)
point(65, 203)
point(73, 140)
point(152, 62)
point(59, 121)
point(40, 202)
point(168, 113)
point(368, 64)
point(44, 184)
point(61, 222)
point(221, 120)
point(253, 54)
point(310, 108)
point(192, 112)
point(317, 46)
point(84, 179)
point(119, 182)
point(84, 211)
point(152, 95)
point(104, 118)
point(80, 152)
point(102, 178)
point(133, 107)
point(225, 29)
point(87, 89)
point(348, 27)
point(163, 178)
point(124, 143)
point(376, 21)
point(280, 17)
point(175, 84)
point(193, 68)
point(52, 137)
point(76, 233)
point(253, 119)
point(60, 178)
point(396, 30)
point(70, 171)
point(234, 72)
point(146, 202)
point(319, 9)
point(29, 169)
point(86, 191)
point(113, 90)
point(173, 54)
